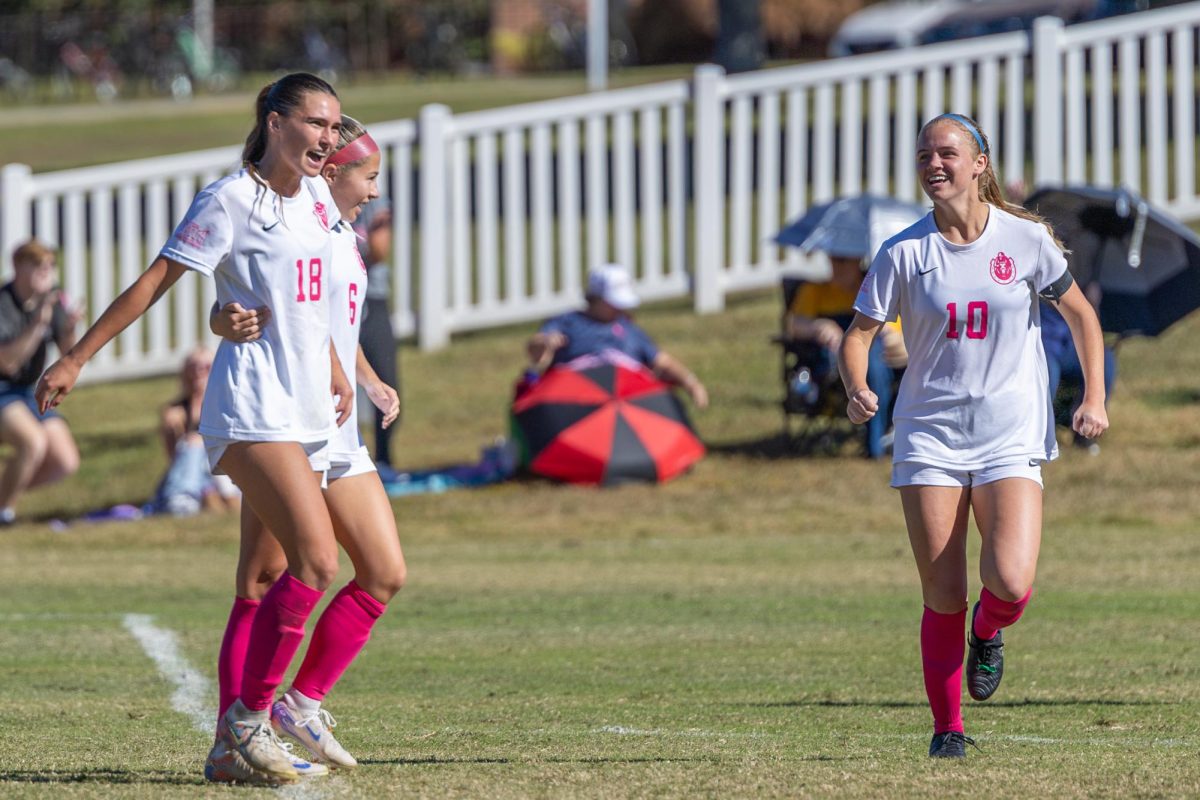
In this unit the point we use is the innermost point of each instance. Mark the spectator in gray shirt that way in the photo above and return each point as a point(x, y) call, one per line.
point(32, 314)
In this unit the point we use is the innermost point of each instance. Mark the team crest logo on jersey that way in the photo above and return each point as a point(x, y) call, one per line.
point(322, 217)
point(193, 234)
point(1004, 271)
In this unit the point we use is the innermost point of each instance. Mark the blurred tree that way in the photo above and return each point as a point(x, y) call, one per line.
point(686, 31)
point(741, 46)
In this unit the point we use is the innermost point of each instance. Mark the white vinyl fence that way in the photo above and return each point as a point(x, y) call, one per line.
point(498, 214)
point(110, 221)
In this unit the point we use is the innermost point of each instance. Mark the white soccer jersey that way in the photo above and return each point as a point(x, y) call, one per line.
point(975, 391)
point(347, 296)
point(264, 250)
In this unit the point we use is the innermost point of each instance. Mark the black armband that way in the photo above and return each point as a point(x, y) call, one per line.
point(1054, 292)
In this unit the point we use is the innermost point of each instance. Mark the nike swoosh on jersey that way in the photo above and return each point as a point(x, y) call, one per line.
point(926, 271)
point(272, 225)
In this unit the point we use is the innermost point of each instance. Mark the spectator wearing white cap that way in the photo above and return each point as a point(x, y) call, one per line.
point(605, 324)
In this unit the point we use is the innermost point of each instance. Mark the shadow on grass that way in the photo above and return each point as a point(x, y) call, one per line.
point(1175, 396)
point(416, 760)
point(109, 440)
point(563, 760)
point(809, 439)
point(109, 776)
point(1028, 702)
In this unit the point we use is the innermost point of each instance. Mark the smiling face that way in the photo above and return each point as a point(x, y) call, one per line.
point(948, 162)
point(304, 138)
point(354, 186)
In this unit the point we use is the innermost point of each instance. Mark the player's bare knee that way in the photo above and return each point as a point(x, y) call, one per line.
point(389, 584)
point(319, 571)
point(383, 581)
point(1009, 590)
point(270, 573)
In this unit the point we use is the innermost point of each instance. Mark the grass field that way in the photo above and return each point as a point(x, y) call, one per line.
point(746, 631)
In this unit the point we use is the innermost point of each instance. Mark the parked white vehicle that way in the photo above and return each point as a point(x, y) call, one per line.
point(907, 23)
point(892, 24)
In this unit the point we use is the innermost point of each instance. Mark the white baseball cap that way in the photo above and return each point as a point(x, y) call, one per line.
point(613, 284)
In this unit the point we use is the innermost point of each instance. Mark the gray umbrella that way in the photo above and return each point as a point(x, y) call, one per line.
point(1146, 264)
point(852, 227)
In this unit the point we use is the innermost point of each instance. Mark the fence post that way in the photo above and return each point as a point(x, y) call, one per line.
point(708, 196)
point(432, 331)
point(1047, 102)
point(14, 208)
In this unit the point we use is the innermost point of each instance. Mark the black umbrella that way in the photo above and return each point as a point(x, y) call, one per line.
point(1146, 264)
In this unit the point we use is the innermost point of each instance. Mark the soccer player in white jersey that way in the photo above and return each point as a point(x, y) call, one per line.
point(973, 421)
point(263, 234)
point(362, 516)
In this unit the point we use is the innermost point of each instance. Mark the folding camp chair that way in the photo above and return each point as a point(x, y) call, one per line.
point(812, 388)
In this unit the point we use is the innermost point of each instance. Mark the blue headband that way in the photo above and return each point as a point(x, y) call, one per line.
point(966, 123)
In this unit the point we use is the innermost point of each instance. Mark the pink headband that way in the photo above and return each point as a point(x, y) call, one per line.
point(360, 148)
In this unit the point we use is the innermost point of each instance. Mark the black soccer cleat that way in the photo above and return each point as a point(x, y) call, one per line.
point(985, 662)
point(951, 744)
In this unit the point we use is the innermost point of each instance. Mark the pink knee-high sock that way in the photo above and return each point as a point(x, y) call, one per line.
point(943, 640)
point(232, 658)
point(995, 613)
point(275, 636)
point(340, 635)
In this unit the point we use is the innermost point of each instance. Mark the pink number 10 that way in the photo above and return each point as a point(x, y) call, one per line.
point(977, 320)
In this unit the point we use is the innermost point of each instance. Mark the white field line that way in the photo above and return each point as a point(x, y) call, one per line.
point(42, 616)
point(191, 688)
point(1091, 741)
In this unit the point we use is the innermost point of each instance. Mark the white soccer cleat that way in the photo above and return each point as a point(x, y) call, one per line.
point(315, 732)
point(257, 745)
point(226, 765)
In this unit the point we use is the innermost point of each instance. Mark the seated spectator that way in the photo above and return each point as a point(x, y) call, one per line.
point(820, 313)
point(189, 486)
point(605, 324)
point(1062, 364)
point(32, 314)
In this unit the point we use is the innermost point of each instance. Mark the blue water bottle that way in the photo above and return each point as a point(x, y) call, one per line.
point(803, 388)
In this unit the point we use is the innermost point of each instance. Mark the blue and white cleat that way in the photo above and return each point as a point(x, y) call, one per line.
point(305, 768)
point(315, 732)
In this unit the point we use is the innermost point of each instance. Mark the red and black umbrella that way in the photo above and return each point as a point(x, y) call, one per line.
point(605, 423)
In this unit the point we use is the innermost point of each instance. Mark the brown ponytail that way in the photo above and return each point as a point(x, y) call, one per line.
point(256, 142)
